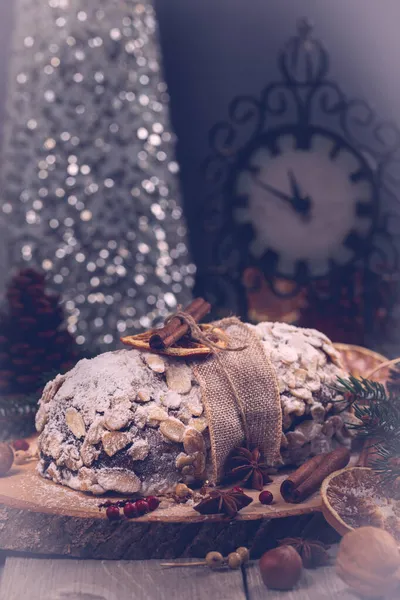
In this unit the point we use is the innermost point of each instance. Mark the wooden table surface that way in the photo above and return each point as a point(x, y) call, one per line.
point(70, 579)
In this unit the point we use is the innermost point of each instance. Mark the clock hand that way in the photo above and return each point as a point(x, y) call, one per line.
point(301, 203)
point(274, 191)
point(294, 185)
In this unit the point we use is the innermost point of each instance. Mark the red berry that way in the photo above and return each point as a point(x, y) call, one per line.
point(130, 510)
point(266, 497)
point(238, 489)
point(142, 507)
point(153, 502)
point(20, 445)
point(112, 513)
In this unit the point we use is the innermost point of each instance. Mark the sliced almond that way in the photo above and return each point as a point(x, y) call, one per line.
point(155, 415)
point(88, 453)
point(199, 423)
point(95, 431)
point(314, 385)
point(287, 354)
point(139, 450)
point(193, 441)
point(172, 429)
point(318, 412)
point(53, 472)
point(143, 396)
point(301, 376)
point(182, 460)
point(51, 388)
point(114, 441)
point(41, 417)
point(50, 443)
point(119, 480)
point(172, 400)
point(302, 393)
point(199, 465)
point(188, 471)
point(155, 362)
point(118, 417)
point(333, 354)
point(75, 422)
point(179, 378)
point(70, 457)
point(195, 406)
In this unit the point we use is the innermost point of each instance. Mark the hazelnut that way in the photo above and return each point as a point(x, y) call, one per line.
point(6, 458)
point(369, 562)
point(281, 568)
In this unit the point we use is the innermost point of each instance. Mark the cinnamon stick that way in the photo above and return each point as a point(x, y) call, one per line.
point(308, 478)
point(175, 329)
point(291, 483)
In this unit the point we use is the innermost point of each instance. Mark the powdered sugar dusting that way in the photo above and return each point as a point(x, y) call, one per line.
point(119, 421)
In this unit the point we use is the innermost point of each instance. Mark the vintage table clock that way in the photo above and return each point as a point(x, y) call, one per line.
point(302, 216)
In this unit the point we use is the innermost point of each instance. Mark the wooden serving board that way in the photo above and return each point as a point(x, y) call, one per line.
point(38, 515)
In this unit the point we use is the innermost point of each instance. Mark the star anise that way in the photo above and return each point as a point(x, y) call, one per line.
point(249, 468)
point(313, 553)
point(226, 503)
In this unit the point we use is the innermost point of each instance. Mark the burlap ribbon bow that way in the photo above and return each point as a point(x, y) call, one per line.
point(241, 397)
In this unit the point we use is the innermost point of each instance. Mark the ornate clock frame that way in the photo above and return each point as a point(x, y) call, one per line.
point(366, 291)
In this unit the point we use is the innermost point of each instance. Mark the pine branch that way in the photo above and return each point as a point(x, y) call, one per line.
point(378, 412)
point(362, 390)
point(386, 460)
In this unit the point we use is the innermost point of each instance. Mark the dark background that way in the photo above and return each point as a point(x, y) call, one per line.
point(216, 49)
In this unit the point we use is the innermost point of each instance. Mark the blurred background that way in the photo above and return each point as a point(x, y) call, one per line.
point(247, 152)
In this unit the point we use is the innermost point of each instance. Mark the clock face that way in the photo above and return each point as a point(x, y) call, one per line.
point(310, 201)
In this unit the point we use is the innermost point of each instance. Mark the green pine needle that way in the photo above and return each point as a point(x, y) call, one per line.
point(378, 412)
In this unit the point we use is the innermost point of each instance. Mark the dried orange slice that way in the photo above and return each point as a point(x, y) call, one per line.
point(185, 348)
point(354, 497)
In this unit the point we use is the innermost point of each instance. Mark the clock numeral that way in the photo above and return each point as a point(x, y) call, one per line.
point(364, 210)
point(358, 176)
point(241, 200)
point(303, 140)
point(335, 150)
point(273, 147)
point(270, 261)
point(355, 243)
point(301, 271)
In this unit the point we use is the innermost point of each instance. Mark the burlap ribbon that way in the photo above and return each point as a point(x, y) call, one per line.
point(241, 397)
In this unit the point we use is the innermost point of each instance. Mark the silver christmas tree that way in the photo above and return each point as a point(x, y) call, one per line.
point(89, 180)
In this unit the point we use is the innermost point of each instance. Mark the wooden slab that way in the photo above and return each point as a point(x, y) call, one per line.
point(37, 515)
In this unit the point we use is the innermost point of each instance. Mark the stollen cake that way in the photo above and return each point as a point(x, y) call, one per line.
point(134, 422)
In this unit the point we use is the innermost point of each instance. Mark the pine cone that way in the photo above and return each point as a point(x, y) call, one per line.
point(33, 338)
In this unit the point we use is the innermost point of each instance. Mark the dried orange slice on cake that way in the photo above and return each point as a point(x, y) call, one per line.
point(354, 497)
